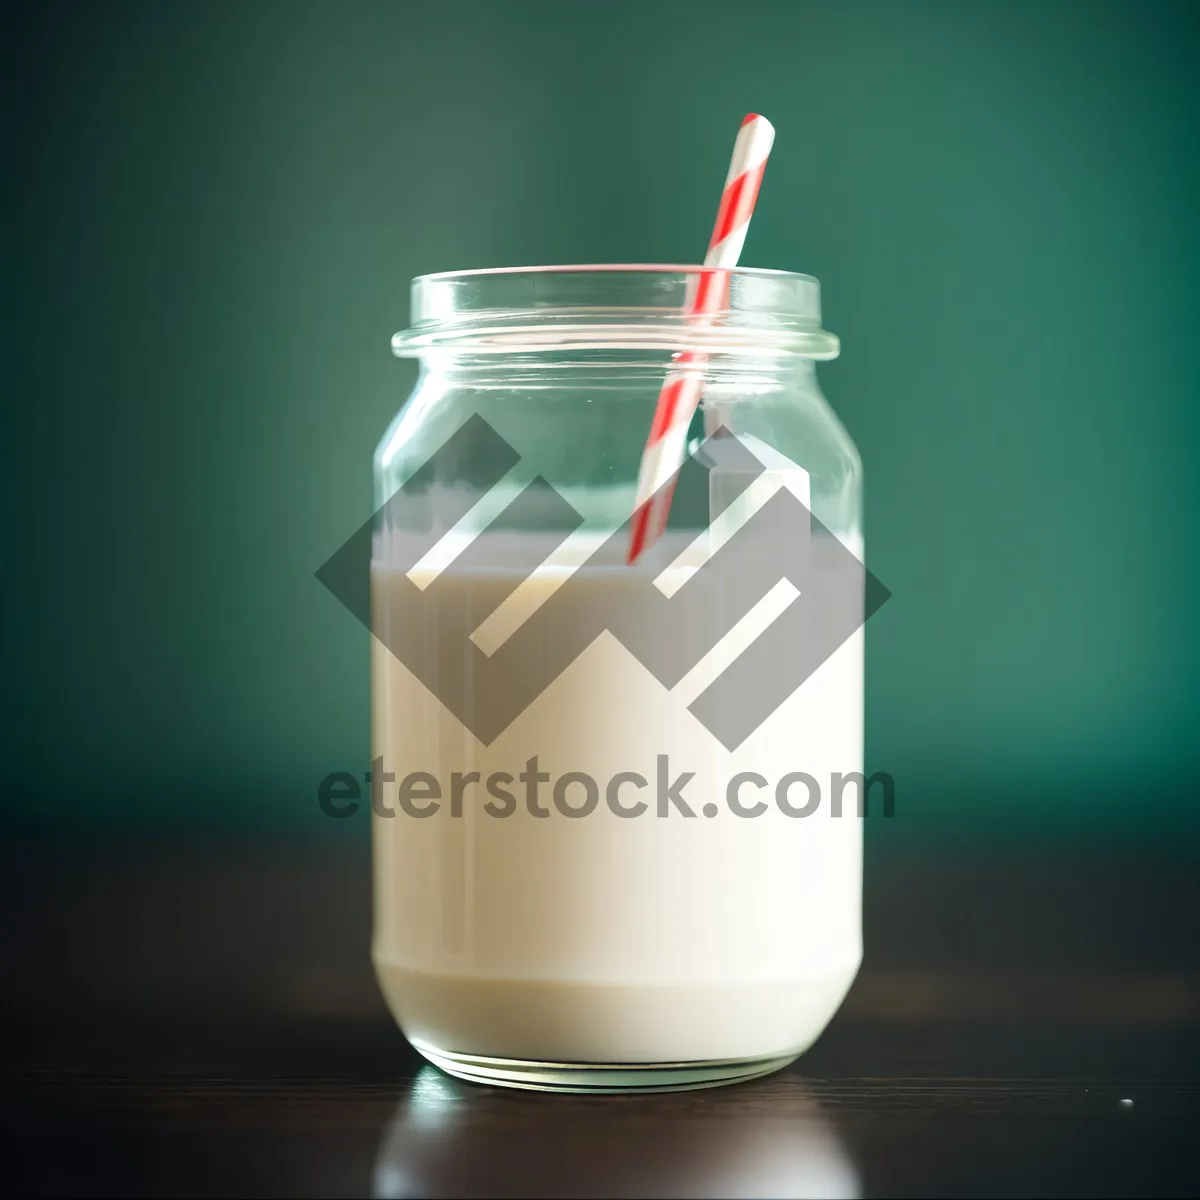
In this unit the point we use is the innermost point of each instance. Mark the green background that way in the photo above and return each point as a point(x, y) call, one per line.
point(215, 213)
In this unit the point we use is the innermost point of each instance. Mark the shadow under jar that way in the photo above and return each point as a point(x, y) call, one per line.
point(603, 868)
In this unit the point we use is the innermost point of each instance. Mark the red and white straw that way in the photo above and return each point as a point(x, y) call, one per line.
point(680, 395)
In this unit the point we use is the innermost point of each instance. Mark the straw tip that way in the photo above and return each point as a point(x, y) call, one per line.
point(756, 117)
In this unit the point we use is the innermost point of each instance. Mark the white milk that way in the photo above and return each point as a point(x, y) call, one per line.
point(610, 939)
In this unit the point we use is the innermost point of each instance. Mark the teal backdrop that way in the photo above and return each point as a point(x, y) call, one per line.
point(214, 214)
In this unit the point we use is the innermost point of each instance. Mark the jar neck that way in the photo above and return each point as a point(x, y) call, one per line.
point(621, 308)
point(610, 368)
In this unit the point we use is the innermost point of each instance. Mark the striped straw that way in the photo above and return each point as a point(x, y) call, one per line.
point(680, 395)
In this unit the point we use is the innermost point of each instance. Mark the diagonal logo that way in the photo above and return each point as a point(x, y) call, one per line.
point(760, 543)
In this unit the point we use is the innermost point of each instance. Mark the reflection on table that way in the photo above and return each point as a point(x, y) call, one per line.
point(447, 1137)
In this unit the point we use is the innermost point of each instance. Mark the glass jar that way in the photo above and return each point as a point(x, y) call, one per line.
point(597, 867)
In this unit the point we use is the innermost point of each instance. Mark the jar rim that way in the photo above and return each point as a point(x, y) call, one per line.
point(535, 309)
point(582, 268)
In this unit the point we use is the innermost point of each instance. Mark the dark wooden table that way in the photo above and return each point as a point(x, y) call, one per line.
point(203, 1022)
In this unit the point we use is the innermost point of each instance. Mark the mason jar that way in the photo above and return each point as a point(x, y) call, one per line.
point(617, 828)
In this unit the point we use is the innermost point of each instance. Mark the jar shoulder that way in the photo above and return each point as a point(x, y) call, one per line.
point(587, 437)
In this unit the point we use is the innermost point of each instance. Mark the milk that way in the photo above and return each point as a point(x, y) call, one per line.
point(606, 938)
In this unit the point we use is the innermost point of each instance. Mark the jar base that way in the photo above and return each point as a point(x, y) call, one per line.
point(600, 1078)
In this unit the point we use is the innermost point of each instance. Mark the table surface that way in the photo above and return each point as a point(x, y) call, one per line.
point(203, 1022)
